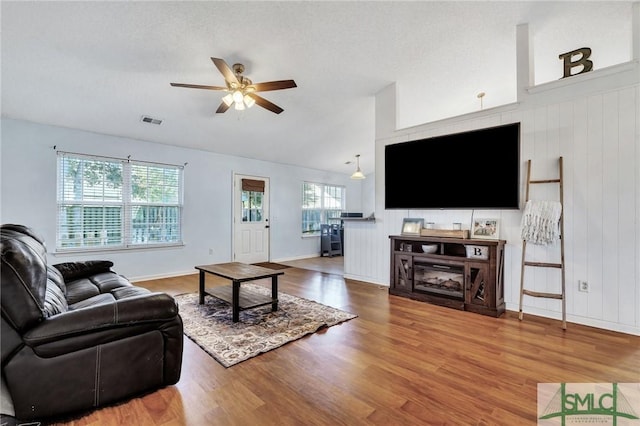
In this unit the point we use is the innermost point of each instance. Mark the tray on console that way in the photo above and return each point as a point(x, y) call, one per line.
point(448, 233)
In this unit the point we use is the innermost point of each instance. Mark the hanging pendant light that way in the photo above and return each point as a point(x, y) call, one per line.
point(358, 173)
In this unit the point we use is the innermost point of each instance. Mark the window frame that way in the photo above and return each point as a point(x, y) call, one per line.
point(324, 211)
point(171, 205)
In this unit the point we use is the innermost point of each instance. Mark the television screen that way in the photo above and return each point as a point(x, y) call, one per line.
point(478, 169)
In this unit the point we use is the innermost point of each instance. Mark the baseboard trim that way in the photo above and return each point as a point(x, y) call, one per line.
point(575, 319)
point(289, 259)
point(160, 276)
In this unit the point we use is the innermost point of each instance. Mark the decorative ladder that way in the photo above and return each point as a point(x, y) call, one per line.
point(523, 290)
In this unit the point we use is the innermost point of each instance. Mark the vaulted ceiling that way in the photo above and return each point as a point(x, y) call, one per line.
point(101, 66)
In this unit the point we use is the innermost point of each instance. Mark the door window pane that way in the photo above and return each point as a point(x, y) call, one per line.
point(252, 206)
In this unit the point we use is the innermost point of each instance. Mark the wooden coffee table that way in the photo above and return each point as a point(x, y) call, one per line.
point(238, 273)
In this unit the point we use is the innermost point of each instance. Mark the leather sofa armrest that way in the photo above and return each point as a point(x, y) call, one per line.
point(147, 308)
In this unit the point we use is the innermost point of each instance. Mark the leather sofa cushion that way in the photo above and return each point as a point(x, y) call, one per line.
point(131, 291)
point(74, 270)
point(99, 299)
point(80, 290)
point(54, 300)
point(56, 277)
point(109, 281)
point(85, 288)
point(115, 294)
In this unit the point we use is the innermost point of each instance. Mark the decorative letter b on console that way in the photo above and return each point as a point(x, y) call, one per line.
point(583, 60)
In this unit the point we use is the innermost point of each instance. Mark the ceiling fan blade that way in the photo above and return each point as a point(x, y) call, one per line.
point(274, 85)
point(228, 74)
point(265, 103)
point(198, 86)
point(222, 108)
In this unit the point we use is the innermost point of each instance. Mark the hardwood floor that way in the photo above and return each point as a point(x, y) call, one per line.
point(401, 362)
point(330, 265)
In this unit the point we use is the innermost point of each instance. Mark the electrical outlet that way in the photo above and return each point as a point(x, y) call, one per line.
point(210, 251)
point(583, 286)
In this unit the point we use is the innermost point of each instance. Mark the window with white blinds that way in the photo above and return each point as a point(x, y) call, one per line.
point(321, 204)
point(110, 203)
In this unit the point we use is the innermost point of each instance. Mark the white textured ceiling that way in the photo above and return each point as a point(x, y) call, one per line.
point(100, 66)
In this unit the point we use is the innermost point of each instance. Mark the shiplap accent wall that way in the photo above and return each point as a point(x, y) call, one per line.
point(593, 123)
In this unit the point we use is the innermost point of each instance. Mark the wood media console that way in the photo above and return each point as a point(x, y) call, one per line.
point(465, 274)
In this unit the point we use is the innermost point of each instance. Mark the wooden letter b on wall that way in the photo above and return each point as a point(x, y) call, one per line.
point(584, 53)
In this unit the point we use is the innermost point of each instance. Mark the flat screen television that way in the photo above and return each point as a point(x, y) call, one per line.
point(478, 169)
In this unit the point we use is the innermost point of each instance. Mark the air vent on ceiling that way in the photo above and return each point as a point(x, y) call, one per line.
point(150, 120)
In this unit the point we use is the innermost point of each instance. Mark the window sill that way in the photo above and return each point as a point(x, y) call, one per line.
point(74, 251)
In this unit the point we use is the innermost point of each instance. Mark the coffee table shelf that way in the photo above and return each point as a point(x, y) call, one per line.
point(247, 299)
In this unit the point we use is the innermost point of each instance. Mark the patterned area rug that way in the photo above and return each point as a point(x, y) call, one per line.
point(259, 330)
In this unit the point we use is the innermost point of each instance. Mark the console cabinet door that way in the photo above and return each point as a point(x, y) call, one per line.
point(477, 285)
point(403, 273)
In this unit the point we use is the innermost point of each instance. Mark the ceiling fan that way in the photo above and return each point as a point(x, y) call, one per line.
point(241, 90)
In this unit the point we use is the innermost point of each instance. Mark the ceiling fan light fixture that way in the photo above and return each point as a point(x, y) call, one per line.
point(228, 99)
point(249, 101)
point(240, 89)
point(358, 173)
point(237, 97)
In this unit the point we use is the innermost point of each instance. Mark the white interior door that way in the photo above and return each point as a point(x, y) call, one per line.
point(250, 219)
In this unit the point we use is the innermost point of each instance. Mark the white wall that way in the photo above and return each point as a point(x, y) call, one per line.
point(28, 182)
point(593, 122)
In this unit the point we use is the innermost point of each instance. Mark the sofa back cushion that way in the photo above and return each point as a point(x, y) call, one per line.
point(55, 301)
point(55, 277)
point(23, 276)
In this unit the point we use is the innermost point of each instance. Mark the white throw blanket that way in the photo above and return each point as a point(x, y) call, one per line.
point(541, 222)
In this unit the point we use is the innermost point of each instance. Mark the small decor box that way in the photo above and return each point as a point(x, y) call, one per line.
point(477, 252)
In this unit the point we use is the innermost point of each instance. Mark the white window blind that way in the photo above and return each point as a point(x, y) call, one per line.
point(110, 203)
point(321, 203)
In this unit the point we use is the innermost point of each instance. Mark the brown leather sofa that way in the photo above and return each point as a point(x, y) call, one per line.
point(77, 336)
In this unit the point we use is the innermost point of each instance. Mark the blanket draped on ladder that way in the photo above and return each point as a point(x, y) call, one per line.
point(540, 222)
